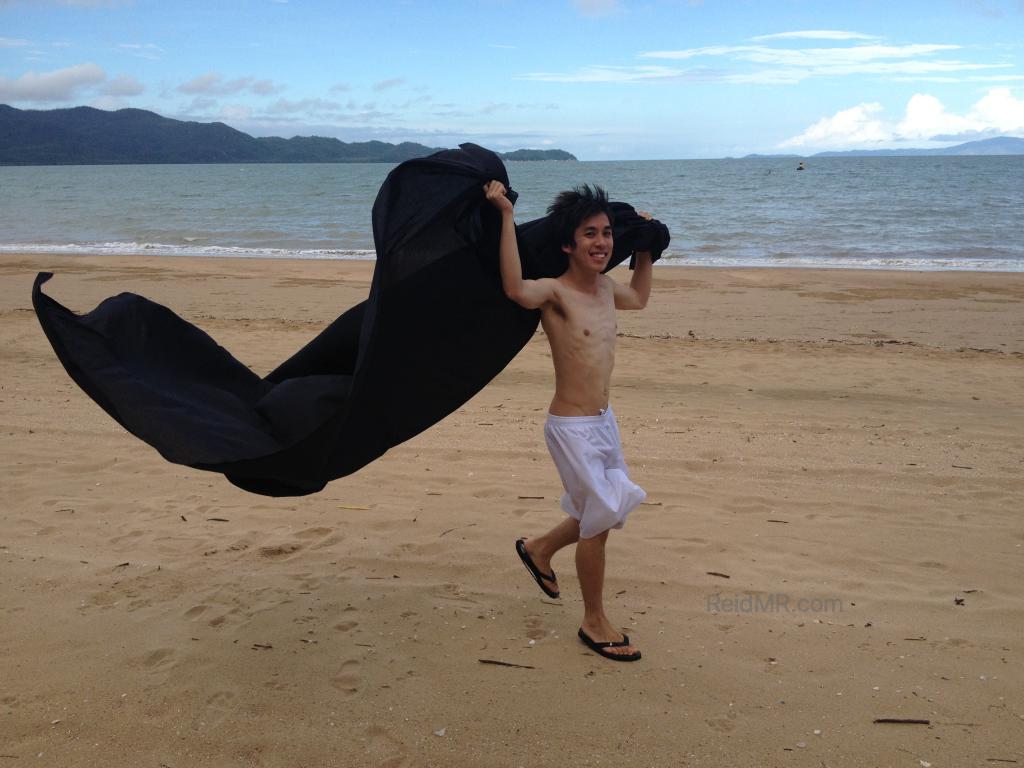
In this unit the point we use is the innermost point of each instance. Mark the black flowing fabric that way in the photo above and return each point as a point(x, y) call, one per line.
point(434, 331)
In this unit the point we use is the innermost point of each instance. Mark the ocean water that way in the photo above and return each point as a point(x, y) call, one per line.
point(926, 213)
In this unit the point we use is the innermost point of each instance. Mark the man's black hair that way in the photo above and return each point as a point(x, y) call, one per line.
point(574, 206)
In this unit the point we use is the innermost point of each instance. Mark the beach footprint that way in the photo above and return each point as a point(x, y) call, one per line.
point(279, 551)
point(139, 604)
point(318, 532)
point(217, 707)
point(535, 628)
point(306, 581)
point(159, 659)
point(348, 678)
point(725, 724)
point(384, 749)
point(130, 536)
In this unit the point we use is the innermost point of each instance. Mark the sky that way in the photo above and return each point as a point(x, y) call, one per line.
point(603, 79)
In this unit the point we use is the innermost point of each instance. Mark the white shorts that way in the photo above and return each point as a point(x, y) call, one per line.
point(587, 451)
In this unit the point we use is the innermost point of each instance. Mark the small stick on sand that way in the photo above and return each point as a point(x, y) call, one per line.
point(505, 663)
point(456, 528)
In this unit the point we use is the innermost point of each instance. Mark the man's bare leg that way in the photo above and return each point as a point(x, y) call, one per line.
point(542, 548)
point(590, 569)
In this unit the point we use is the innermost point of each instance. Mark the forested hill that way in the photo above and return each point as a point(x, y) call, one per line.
point(537, 154)
point(87, 136)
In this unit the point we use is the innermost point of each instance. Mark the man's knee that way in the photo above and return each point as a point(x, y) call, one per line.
point(597, 539)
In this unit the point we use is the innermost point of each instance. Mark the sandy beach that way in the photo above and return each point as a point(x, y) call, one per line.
point(832, 536)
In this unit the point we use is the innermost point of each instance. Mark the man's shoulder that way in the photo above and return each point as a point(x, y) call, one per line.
point(555, 284)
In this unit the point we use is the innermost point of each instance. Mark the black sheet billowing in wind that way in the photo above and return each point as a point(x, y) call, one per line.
point(435, 329)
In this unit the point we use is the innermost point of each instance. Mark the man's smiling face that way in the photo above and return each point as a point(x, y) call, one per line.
point(593, 243)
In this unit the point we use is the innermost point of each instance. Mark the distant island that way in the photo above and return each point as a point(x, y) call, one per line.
point(537, 154)
point(88, 136)
point(1001, 145)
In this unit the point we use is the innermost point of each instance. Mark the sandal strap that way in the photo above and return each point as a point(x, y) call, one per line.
point(606, 643)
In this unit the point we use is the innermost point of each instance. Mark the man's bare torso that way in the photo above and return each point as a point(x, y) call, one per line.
point(581, 327)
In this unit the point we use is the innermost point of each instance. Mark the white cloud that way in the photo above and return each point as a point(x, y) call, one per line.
point(143, 50)
point(200, 104)
point(596, 7)
point(792, 65)
point(234, 112)
point(856, 125)
point(383, 85)
point(266, 87)
point(12, 42)
point(123, 85)
point(816, 34)
point(110, 103)
point(607, 74)
point(307, 106)
point(763, 64)
point(214, 84)
point(810, 58)
point(57, 85)
point(925, 119)
point(999, 109)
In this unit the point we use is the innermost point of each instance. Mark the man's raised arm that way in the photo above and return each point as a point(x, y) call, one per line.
point(635, 296)
point(531, 294)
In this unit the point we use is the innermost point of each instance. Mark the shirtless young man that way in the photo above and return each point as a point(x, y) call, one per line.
point(578, 315)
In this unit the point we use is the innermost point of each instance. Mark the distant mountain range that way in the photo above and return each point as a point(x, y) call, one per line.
point(87, 136)
point(1001, 145)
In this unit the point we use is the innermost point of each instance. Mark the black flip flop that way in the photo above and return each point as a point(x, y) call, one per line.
point(601, 648)
point(536, 572)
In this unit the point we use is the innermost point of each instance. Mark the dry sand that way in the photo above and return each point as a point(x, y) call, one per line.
point(851, 439)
